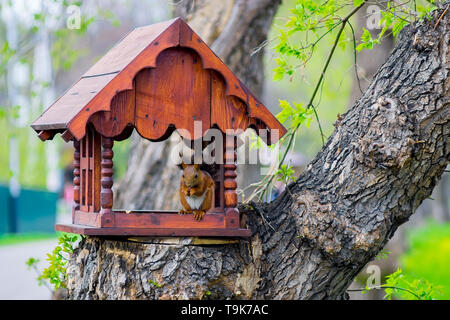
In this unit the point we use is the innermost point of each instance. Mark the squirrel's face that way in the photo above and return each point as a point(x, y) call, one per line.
point(191, 177)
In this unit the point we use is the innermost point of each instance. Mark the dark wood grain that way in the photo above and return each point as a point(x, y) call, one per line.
point(46, 134)
point(67, 136)
point(176, 92)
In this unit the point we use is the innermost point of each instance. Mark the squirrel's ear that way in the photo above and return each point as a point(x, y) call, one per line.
point(196, 166)
point(182, 165)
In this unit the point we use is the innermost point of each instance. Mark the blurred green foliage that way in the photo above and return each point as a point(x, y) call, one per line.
point(334, 93)
point(121, 153)
point(428, 256)
point(32, 173)
point(18, 238)
point(65, 51)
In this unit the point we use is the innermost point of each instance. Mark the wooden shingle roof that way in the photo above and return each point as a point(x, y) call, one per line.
point(115, 73)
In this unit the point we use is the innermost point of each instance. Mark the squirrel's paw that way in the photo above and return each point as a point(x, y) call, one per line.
point(182, 211)
point(198, 214)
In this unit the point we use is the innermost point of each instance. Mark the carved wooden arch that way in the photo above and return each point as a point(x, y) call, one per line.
point(171, 96)
point(115, 73)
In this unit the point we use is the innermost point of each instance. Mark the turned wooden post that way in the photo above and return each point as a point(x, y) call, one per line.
point(76, 175)
point(230, 184)
point(106, 194)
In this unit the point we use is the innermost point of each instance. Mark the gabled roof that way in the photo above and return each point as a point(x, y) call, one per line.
point(115, 72)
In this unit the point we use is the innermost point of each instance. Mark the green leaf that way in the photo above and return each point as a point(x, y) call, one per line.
point(397, 27)
point(156, 284)
point(287, 111)
point(357, 3)
point(39, 17)
point(366, 36)
point(366, 41)
point(32, 262)
point(285, 173)
point(382, 255)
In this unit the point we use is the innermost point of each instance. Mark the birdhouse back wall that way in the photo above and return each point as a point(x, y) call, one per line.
point(174, 94)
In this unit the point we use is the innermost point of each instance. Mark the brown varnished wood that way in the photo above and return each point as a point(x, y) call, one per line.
point(96, 189)
point(219, 189)
point(230, 184)
point(127, 50)
point(157, 79)
point(89, 171)
point(106, 193)
point(227, 112)
point(95, 90)
point(86, 218)
point(69, 106)
point(234, 87)
point(114, 73)
point(230, 175)
point(112, 123)
point(260, 114)
point(67, 136)
point(77, 112)
point(232, 218)
point(46, 135)
point(125, 134)
point(174, 232)
point(176, 92)
point(150, 219)
point(84, 167)
point(168, 220)
point(189, 39)
point(124, 79)
point(76, 174)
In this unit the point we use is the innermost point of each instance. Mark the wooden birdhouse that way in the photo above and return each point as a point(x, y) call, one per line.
point(157, 79)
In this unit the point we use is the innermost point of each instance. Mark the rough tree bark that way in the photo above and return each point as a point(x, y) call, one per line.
point(368, 63)
point(233, 29)
point(387, 153)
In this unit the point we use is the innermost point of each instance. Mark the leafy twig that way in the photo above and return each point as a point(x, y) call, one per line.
point(343, 22)
point(387, 287)
point(354, 57)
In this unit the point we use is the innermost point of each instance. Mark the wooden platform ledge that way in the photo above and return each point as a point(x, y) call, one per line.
point(154, 223)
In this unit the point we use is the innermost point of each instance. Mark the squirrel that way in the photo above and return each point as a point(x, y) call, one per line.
point(196, 191)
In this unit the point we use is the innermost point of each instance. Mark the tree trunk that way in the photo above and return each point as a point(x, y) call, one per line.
point(368, 62)
point(387, 153)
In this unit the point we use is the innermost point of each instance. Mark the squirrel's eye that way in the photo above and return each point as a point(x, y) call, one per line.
point(196, 175)
point(183, 175)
